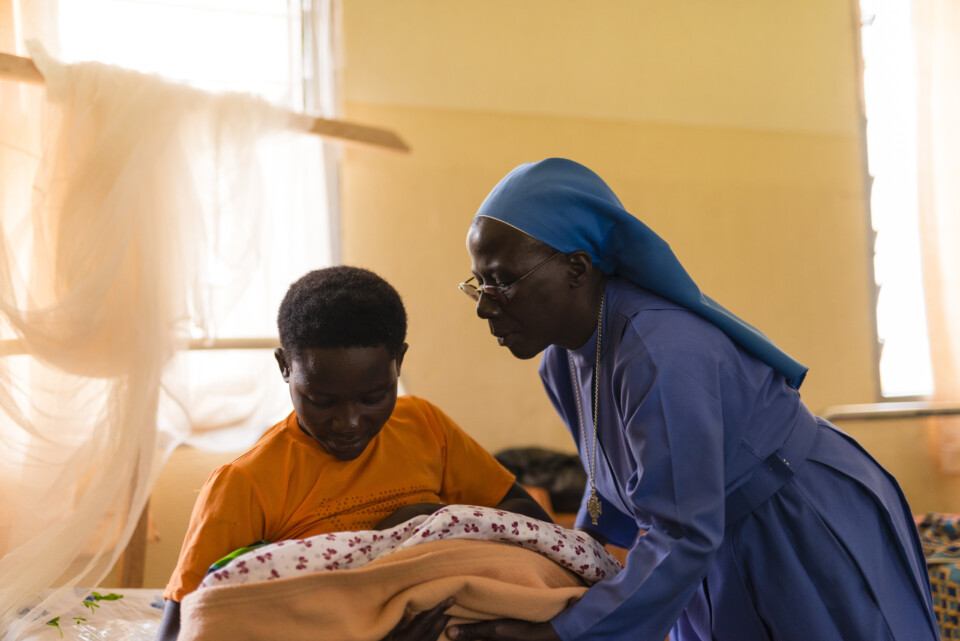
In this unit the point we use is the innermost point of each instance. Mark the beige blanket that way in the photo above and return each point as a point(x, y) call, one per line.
point(489, 580)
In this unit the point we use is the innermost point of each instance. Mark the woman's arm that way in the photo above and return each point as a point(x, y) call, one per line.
point(407, 512)
point(516, 500)
point(519, 500)
point(170, 624)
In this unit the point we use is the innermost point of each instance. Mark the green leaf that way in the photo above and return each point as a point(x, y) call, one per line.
point(55, 622)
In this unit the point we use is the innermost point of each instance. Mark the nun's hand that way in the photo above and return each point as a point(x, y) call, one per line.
point(502, 630)
point(428, 624)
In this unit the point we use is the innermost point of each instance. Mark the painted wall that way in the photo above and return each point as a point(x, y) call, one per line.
point(730, 128)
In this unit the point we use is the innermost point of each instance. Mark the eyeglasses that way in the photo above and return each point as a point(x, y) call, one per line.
point(498, 292)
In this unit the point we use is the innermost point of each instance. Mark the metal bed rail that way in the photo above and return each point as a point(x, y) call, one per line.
point(892, 410)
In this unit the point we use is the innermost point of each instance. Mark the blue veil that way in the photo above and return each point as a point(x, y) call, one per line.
point(567, 206)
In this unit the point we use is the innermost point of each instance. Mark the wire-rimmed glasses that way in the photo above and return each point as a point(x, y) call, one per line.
point(498, 292)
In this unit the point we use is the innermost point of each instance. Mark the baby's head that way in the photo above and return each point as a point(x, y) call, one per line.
point(342, 332)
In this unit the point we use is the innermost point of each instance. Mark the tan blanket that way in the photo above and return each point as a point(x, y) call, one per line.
point(489, 580)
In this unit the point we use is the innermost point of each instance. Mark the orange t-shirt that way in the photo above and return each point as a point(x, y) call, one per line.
point(288, 487)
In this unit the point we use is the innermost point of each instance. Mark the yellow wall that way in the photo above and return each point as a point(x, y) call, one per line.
point(731, 128)
point(910, 449)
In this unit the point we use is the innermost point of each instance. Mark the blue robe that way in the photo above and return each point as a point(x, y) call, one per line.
point(688, 420)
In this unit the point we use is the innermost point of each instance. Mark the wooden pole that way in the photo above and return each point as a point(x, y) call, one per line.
point(24, 70)
point(20, 69)
point(133, 560)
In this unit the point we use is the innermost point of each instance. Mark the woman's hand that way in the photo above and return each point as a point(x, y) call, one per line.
point(502, 630)
point(428, 624)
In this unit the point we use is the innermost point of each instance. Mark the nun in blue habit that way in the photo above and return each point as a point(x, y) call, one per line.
point(746, 516)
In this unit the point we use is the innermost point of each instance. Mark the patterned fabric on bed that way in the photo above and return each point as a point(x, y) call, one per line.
point(940, 536)
point(346, 550)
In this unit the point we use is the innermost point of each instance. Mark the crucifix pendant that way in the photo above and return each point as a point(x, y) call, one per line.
point(593, 505)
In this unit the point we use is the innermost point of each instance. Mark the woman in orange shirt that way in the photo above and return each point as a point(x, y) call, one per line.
point(351, 456)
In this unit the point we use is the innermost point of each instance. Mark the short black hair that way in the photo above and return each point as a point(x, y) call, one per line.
point(341, 306)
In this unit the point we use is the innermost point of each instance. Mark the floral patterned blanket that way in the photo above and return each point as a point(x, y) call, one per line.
point(350, 550)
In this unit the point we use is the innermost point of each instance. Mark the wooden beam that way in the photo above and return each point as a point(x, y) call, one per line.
point(24, 70)
point(15, 347)
point(20, 69)
point(350, 132)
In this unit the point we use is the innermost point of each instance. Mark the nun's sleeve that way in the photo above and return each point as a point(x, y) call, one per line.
point(667, 383)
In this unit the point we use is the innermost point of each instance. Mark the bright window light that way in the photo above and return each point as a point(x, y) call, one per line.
point(889, 87)
point(248, 46)
point(236, 45)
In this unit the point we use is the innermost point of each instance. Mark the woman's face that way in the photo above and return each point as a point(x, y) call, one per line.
point(528, 317)
point(342, 396)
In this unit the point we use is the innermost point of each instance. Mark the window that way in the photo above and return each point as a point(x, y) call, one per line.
point(251, 46)
point(890, 97)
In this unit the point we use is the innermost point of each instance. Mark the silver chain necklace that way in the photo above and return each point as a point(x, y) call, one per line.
point(593, 503)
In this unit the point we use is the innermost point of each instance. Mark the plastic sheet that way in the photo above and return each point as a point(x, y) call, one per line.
point(117, 615)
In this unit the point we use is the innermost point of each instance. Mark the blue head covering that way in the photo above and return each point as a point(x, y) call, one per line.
point(567, 206)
